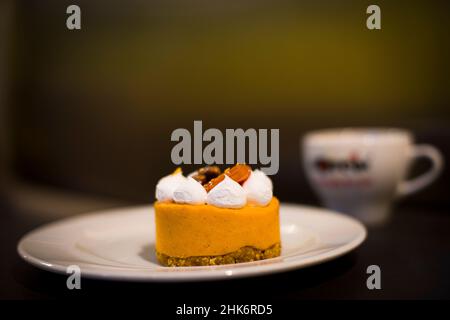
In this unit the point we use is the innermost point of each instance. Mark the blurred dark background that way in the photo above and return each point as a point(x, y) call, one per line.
point(86, 116)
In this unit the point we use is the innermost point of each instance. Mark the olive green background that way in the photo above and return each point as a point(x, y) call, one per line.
point(91, 111)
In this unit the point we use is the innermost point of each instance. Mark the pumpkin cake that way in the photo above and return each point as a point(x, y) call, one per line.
point(213, 218)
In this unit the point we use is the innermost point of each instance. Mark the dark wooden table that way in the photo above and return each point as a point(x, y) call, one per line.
point(412, 250)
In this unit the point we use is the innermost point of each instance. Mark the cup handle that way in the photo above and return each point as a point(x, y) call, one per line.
point(437, 163)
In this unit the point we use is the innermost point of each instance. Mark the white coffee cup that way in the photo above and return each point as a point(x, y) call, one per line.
point(360, 171)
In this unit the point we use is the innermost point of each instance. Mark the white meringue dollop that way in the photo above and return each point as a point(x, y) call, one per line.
point(227, 194)
point(190, 192)
point(258, 188)
point(167, 185)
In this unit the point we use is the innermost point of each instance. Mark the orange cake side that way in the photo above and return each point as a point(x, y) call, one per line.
point(205, 230)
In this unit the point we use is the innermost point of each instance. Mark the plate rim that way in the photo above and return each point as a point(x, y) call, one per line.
point(199, 275)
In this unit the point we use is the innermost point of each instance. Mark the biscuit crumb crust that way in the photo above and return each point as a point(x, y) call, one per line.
point(244, 254)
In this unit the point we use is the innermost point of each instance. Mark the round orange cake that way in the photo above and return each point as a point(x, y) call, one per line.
point(207, 235)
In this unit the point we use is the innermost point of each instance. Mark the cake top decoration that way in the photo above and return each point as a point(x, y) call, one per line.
point(234, 188)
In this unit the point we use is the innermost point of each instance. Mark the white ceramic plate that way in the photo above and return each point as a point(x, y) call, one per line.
point(119, 245)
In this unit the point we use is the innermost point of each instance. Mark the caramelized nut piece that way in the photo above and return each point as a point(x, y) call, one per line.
point(205, 174)
point(200, 178)
point(212, 171)
point(239, 173)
